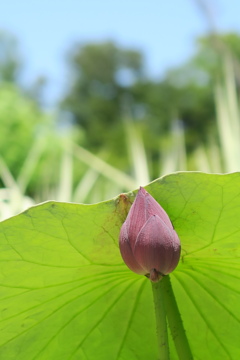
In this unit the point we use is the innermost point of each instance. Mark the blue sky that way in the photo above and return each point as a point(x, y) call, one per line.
point(165, 30)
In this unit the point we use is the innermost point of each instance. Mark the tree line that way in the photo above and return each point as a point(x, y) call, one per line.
point(108, 87)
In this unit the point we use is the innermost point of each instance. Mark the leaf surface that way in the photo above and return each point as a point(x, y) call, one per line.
point(66, 294)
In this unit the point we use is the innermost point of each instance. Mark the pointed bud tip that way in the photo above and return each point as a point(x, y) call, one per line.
point(142, 191)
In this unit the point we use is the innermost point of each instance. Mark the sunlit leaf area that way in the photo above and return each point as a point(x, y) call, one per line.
point(66, 292)
point(69, 174)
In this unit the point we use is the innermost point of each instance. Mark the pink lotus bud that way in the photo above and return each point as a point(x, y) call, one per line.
point(148, 243)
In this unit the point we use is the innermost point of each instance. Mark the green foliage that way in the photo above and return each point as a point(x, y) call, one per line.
point(21, 123)
point(205, 67)
point(192, 85)
point(99, 100)
point(97, 97)
point(65, 292)
point(10, 61)
point(132, 124)
point(30, 144)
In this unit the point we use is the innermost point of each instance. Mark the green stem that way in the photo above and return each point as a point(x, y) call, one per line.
point(161, 321)
point(175, 321)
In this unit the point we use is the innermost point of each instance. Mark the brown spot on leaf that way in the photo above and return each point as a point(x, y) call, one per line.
point(123, 204)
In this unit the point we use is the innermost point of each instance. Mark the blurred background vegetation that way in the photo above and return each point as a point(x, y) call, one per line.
point(114, 127)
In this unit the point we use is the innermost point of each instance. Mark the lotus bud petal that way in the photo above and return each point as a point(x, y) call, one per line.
point(148, 243)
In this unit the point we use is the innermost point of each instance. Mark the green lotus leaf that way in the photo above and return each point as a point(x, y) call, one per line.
point(65, 292)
